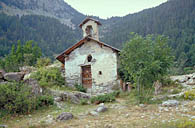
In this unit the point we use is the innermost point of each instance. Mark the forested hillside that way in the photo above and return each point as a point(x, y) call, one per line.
point(52, 36)
point(174, 19)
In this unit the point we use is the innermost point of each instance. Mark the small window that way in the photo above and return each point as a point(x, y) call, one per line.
point(89, 58)
point(100, 72)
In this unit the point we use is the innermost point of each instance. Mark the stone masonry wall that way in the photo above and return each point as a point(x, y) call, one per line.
point(104, 60)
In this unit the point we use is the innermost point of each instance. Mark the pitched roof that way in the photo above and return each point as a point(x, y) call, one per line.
point(87, 19)
point(61, 57)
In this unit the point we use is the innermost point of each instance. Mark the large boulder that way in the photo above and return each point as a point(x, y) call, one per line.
point(73, 97)
point(65, 116)
point(36, 89)
point(81, 95)
point(68, 96)
point(14, 76)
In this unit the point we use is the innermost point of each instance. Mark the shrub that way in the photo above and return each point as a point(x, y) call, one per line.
point(103, 98)
point(49, 77)
point(41, 62)
point(80, 88)
point(176, 91)
point(190, 95)
point(17, 98)
point(44, 100)
point(167, 82)
point(188, 70)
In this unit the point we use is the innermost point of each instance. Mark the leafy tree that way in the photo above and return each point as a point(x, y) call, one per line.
point(146, 59)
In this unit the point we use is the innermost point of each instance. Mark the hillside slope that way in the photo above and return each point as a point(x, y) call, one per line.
point(174, 19)
point(53, 24)
point(57, 9)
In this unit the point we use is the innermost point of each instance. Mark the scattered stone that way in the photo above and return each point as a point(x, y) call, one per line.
point(101, 108)
point(3, 126)
point(170, 103)
point(180, 79)
point(193, 108)
point(59, 105)
point(58, 99)
point(94, 113)
point(185, 80)
point(191, 81)
point(49, 119)
point(141, 105)
point(14, 76)
point(107, 126)
point(65, 116)
point(127, 115)
point(192, 117)
point(166, 109)
point(36, 89)
point(175, 95)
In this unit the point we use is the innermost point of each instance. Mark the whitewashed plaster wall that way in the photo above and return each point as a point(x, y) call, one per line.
point(104, 60)
point(95, 29)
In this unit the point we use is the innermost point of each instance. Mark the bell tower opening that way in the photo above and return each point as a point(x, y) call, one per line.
point(89, 31)
point(90, 28)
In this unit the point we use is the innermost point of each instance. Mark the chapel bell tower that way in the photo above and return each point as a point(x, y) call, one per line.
point(90, 28)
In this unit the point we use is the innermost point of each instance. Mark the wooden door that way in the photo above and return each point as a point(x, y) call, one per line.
point(86, 76)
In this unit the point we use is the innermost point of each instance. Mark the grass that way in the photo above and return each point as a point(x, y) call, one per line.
point(35, 119)
point(129, 115)
point(62, 88)
point(178, 123)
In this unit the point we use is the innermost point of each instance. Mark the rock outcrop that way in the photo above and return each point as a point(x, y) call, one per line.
point(184, 80)
point(73, 97)
point(57, 9)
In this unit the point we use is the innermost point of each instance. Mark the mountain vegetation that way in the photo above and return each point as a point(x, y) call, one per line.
point(174, 19)
point(52, 36)
point(22, 55)
point(146, 60)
